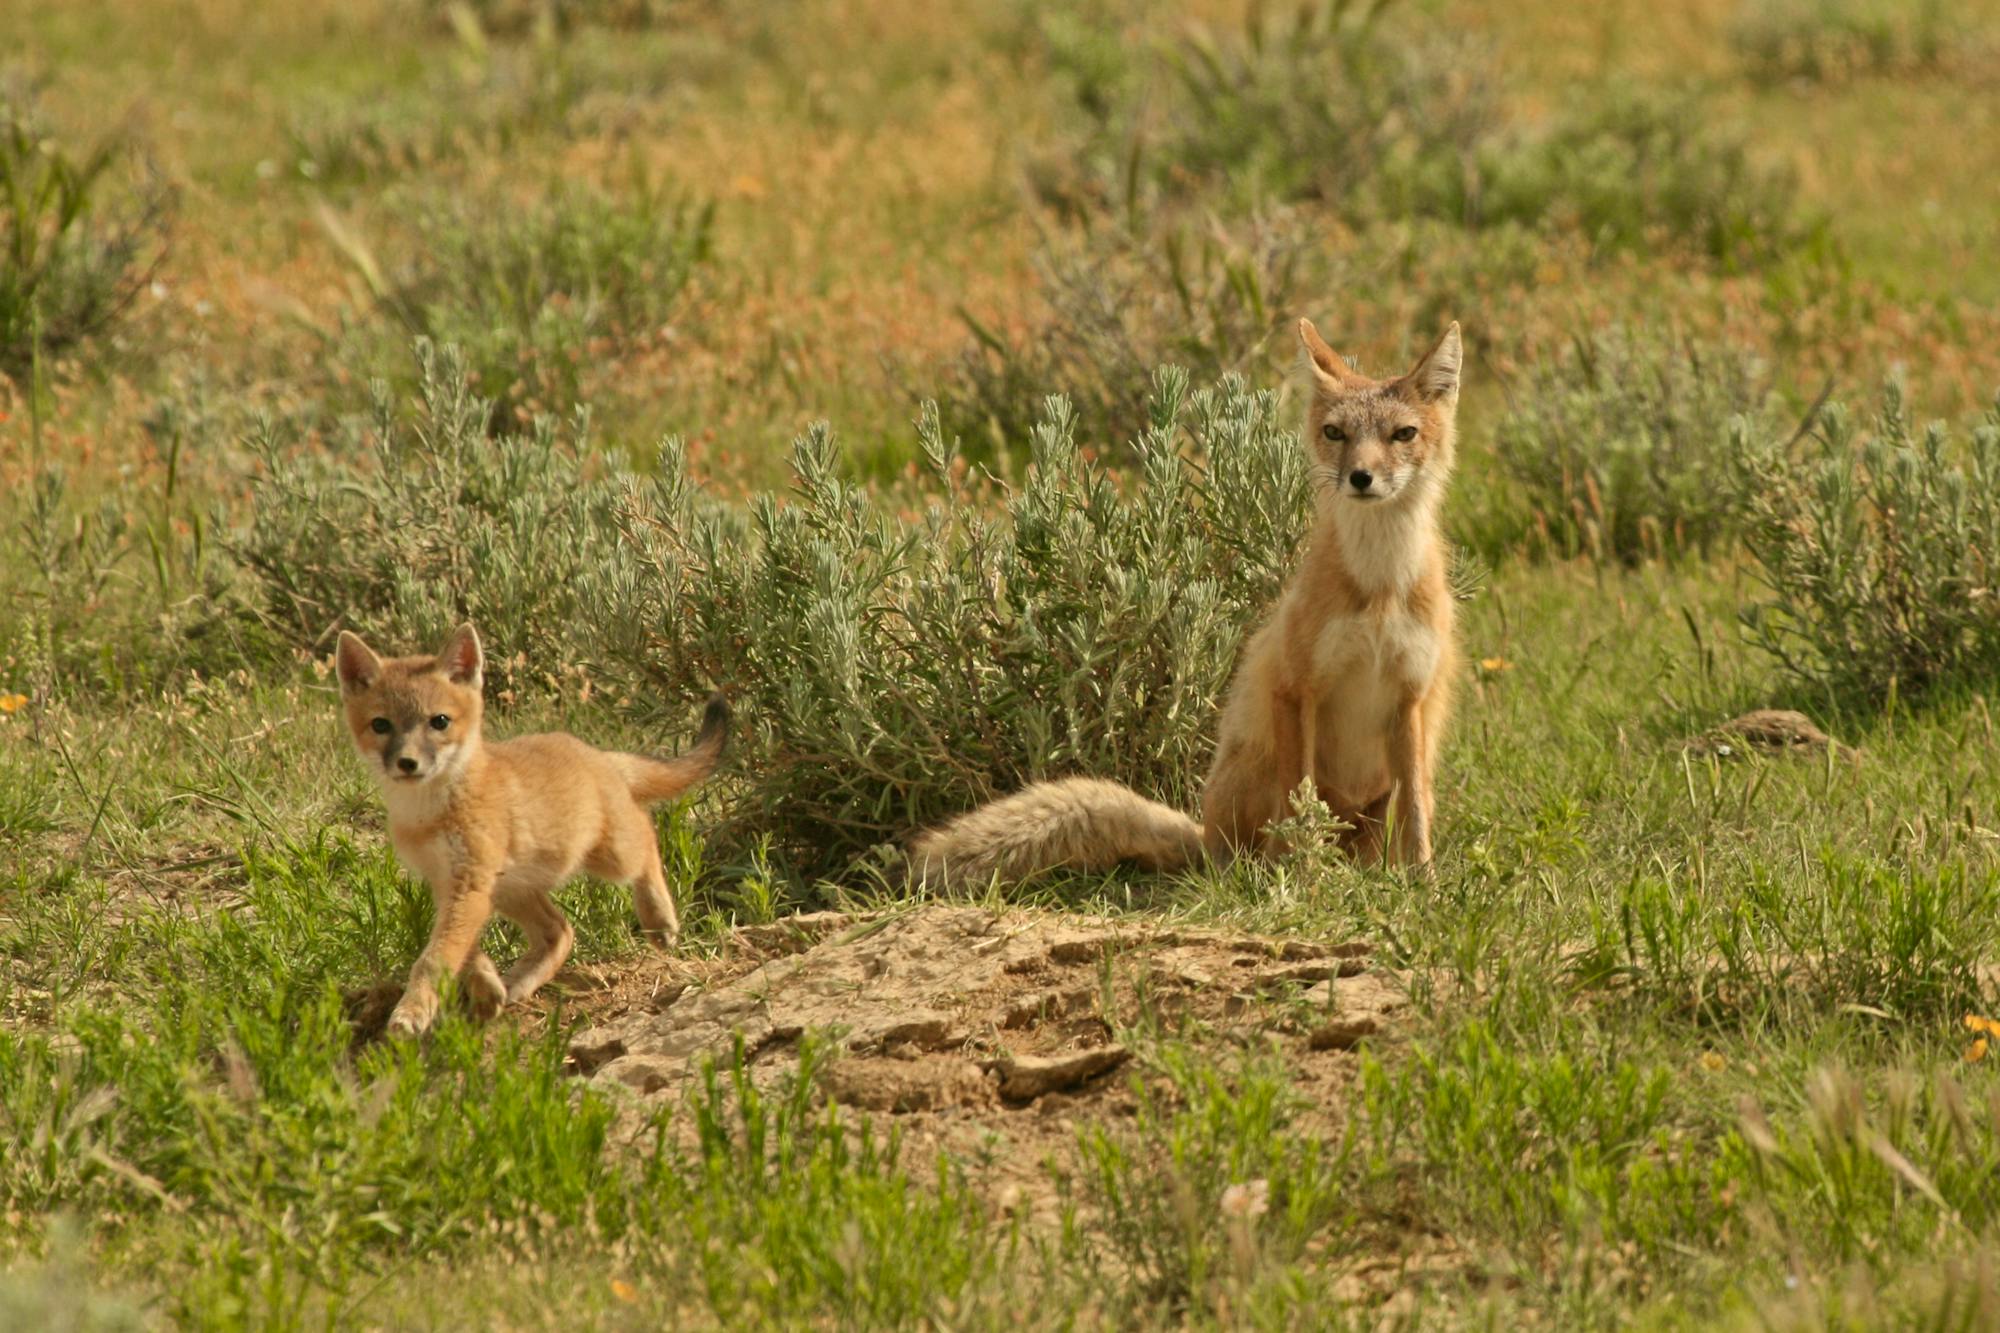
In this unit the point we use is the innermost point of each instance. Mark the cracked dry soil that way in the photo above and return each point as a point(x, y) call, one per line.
point(988, 1034)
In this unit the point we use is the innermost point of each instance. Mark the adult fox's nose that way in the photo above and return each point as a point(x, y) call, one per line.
point(1360, 479)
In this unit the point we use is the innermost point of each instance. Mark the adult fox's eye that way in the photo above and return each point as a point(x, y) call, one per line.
point(1332, 432)
point(1405, 435)
point(380, 726)
point(440, 722)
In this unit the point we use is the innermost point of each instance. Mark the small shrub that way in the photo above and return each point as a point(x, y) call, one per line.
point(1627, 171)
point(1340, 103)
point(1877, 546)
point(1829, 41)
point(1207, 298)
point(532, 296)
point(423, 521)
point(73, 259)
point(908, 659)
point(1623, 444)
point(1378, 112)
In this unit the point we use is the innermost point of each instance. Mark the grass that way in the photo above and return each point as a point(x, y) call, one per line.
point(1686, 1043)
point(1804, 937)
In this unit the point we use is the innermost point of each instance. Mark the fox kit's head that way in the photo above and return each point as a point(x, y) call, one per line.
point(412, 719)
point(1374, 442)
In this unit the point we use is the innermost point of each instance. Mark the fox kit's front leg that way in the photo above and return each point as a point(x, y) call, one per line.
point(1409, 770)
point(464, 905)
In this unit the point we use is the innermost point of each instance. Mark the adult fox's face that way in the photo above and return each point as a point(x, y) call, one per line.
point(412, 718)
point(1376, 441)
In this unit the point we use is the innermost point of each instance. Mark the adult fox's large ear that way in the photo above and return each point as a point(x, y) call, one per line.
point(1328, 368)
point(461, 658)
point(355, 662)
point(1435, 378)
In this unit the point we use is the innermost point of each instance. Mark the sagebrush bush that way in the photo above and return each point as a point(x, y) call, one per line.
point(907, 658)
point(1827, 41)
point(1878, 548)
point(422, 520)
point(1379, 112)
point(74, 256)
point(1341, 103)
point(1627, 171)
point(533, 295)
point(1207, 297)
point(1622, 446)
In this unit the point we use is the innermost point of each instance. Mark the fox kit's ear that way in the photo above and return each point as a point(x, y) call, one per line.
point(1436, 376)
point(1328, 368)
point(355, 662)
point(461, 659)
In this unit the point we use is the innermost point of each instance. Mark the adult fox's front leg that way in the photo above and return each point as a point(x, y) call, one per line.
point(1410, 771)
point(1261, 759)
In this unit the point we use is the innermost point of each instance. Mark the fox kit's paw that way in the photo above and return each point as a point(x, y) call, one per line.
point(485, 993)
point(413, 1013)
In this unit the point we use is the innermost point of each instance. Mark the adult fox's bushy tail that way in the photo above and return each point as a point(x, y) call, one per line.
point(1074, 824)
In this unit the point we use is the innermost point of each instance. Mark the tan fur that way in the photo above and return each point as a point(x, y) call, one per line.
point(497, 826)
point(1349, 681)
point(1079, 823)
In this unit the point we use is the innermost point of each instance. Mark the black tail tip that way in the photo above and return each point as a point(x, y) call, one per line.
point(714, 720)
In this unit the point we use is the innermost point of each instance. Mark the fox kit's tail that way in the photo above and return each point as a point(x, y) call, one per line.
point(1075, 824)
point(662, 779)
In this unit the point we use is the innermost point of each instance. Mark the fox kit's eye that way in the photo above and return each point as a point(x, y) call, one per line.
point(440, 722)
point(1405, 435)
point(380, 726)
point(1333, 432)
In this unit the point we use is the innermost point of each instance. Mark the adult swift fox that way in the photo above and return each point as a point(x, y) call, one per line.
point(1349, 681)
point(497, 826)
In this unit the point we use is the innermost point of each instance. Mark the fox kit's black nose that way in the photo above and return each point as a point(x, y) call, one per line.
point(1360, 480)
point(407, 764)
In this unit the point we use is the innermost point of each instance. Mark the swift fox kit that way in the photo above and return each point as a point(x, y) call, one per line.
point(497, 826)
point(1349, 681)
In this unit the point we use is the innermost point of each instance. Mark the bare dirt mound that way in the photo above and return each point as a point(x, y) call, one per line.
point(976, 1028)
point(1769, 731)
